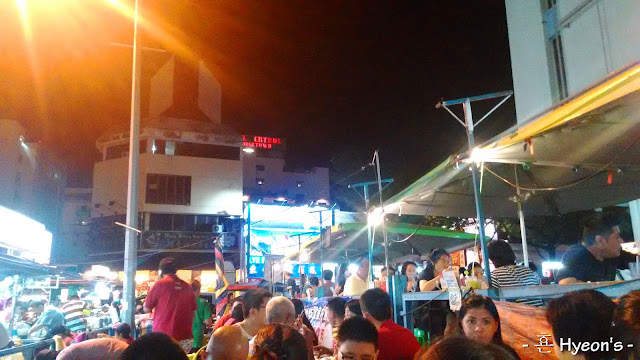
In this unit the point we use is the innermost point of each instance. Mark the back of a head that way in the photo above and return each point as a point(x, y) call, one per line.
point(354, 307)
point(277, 341)
point(598, 224)
point(298, 305)
point(253, 299)
point(167, 266)
point(500, 253)
point(585, 316)
point(626, 320)
point(462, 348)
point(238, 313)
point(228, 343)
point(314, 281)
point(196, 286)
point(155, 345)
point(280, 310)
point(377, 303)
point(337, 306)
point(327, 275)
point(122, 329)
point(358, 329)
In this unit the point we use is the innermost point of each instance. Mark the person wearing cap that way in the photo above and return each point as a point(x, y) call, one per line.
point(173, 305)
point(123, 332)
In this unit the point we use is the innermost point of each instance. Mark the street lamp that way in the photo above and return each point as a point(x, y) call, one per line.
point(130, 238)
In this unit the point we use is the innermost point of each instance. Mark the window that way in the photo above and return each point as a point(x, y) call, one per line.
point(182, 222)
point(260, 167)
point(555, 51)
point(168, 189)
point(122, 150)
point(207, 151)
point(259, 181)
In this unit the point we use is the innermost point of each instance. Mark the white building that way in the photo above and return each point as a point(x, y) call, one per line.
point(190, 186)
point(265, 177)
point(559, 47)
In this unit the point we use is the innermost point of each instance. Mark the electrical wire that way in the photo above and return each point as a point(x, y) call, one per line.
point(425, 215)
point(575, 183)
point(147, 255)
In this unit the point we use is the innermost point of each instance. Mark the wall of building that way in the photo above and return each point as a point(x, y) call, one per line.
point(75, 229)
point(216, 185)
point(598, 37)
point(277, 182)
point(532, 88)
point(32, 180)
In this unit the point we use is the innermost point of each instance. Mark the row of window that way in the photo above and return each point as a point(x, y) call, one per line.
point(176, 189)
point(177, 148)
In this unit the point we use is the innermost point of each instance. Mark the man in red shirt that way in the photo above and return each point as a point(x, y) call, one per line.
point(173, 305)
point(394, 341)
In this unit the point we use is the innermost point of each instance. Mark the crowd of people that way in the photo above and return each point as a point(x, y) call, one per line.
point(262, 326)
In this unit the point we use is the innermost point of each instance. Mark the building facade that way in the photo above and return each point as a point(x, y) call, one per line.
point(266, 179)
point(190, 188)
point(32, 179)
point(559, 47)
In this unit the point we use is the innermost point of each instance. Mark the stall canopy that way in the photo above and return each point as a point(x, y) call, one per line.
point(11, 265)
point(349, 240)
point(580, 154)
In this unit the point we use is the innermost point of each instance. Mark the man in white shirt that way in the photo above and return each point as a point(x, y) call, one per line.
point(356, 284)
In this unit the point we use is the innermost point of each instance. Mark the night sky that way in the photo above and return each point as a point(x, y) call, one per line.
point(338, 79)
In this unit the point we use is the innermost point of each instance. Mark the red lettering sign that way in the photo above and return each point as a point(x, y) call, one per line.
point(262, 142)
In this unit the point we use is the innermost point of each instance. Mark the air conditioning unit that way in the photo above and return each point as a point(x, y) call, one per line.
point(217, 229)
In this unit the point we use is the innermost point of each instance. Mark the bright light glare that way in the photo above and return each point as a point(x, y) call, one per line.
point(281, 199)
point(353, 268)
point(304, 256)
point(481, 155)
point(245, 198)
point(248, 150)
point(553, 265)
point(375, 218)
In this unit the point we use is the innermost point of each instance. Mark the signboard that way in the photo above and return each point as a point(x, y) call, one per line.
point(182, 240)
point(310, 270)
point(263, 142)
point(24, 235)
point(256, 271)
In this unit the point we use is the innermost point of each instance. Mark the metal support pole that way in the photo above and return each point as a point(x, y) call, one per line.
point(246, 252)
point(130, 239)
point(321, 241)
point(634, 210)
point(523, 229)
point(468, 117)
point(369, 232)
point(384, 228)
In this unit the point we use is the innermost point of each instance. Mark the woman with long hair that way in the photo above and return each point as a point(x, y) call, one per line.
point(277, 341)
point(343, 274)
point(480, 321)
point(300, 314)
point(429, 279)
point(410, 269)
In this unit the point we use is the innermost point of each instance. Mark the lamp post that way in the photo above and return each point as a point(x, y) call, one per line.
point(130, 239)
